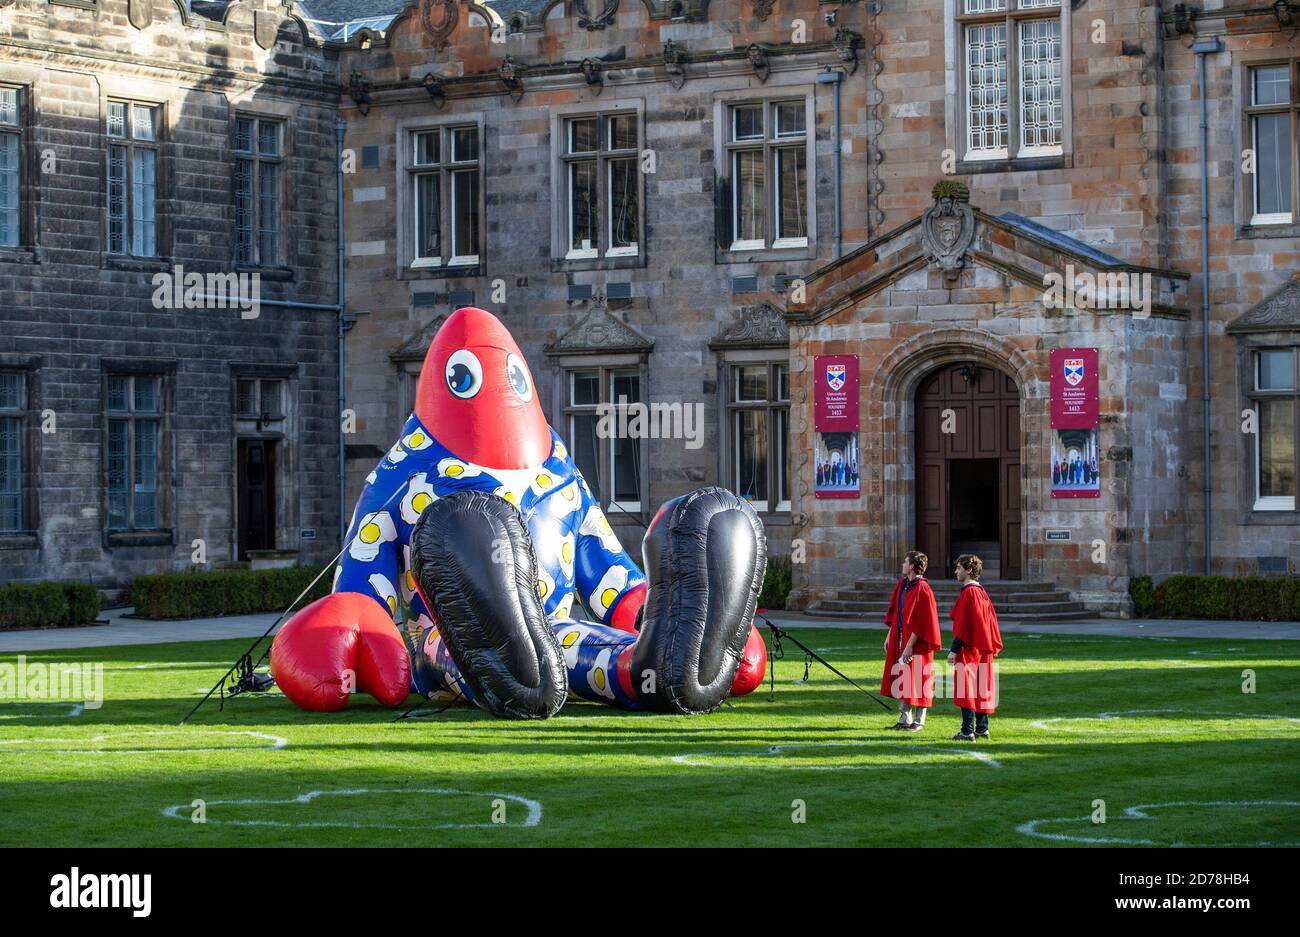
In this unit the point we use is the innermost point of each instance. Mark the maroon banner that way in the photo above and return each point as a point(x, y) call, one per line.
point(835, 393)
point(1074, 388)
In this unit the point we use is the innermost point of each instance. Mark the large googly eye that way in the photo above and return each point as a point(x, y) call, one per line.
point(464, 374)
point(517, 372)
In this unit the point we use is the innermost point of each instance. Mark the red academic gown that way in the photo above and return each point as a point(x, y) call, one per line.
point(915, 683)
point(975, 623)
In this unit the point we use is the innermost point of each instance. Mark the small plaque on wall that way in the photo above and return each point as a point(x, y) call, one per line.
point(1058, 535)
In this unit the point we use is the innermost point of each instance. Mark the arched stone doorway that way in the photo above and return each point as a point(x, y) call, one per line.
point(967, 468)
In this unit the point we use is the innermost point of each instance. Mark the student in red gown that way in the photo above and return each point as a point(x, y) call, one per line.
point(913, 621)
point(976, 642)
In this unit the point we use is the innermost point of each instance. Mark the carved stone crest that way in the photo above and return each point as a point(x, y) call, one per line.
point(436, 89)
point(674, 64)
point(439, 18)
point(847, 42)
point(509, 73)
point(948, 227)
point(763, 9)
point(266, 26)
point(359, 91)
point(139, 12)
point(600, 20)
point(591, 73)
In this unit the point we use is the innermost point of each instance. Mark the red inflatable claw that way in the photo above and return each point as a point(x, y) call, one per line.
point(624, 616)
point(753, 665)
point(335, 645)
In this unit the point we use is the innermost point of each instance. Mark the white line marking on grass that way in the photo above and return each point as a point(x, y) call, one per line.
point(1139, 812)
point(277, 742)
point(169, 665)
point(702, 759)
point(74, 709)
point(533, 818)
point(1111, 717)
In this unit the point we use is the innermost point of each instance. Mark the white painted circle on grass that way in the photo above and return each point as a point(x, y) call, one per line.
point(1141, 812)
point(66, 710)
point(1107, 721)
point(712, 759)
point(50, 746)
point(533, 817)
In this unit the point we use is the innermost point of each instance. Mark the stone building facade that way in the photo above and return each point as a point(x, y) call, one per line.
point(793, 152)
point(684, 203)
point(146, 429)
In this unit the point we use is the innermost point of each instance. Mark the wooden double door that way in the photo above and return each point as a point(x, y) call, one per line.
point(968, 446)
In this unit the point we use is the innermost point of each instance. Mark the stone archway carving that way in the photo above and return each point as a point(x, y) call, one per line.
point(889, 401)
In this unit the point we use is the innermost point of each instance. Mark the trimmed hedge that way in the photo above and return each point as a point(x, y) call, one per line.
point(224, 592)
point(1238, 598)
point(776, 583)
point(46, 604)
point(1143, 593)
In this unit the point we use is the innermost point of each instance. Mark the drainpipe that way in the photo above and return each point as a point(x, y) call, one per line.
point(835, 77)
point(1202, 48)
point(340, 128)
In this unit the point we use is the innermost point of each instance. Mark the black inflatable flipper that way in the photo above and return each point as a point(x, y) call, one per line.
point(474, 561)
point(705, 555)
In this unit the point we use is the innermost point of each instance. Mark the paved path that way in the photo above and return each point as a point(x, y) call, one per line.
point(124, 630)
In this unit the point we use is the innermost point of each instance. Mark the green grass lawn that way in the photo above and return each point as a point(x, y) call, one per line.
point(1183, 734)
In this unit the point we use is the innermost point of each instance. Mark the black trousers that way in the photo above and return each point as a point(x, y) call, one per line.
point(972, 722)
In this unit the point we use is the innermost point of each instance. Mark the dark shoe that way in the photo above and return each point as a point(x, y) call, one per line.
point(486, 603)
point(897, 726)
point(705, 554)
point(983, 735)
point(963, 737)
point(916, 727)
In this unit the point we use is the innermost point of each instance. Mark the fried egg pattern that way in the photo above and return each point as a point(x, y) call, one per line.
point(579, 555)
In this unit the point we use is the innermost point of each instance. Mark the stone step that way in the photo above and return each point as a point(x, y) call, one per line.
point(1007, 618)
point(878, 609)
point(994, 587)
point(999, 598)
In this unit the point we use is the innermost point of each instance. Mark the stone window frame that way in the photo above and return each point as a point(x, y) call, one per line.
point(132, 145)
point(25, 538)
point(28, 179)
point(561, 261)
point(163, 533)
point(407, 265)
point(955, 119)
point(151, 93)
point(254, 156)
point(723, 146)
point(728, 362)
point(1244, 188)
point(283, 427)
point(1248, 348)
point(607, 366)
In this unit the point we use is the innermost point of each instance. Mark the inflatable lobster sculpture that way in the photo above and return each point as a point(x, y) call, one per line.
point(480, 522)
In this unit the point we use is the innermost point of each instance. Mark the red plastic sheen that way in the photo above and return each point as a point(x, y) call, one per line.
point(341, 633)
